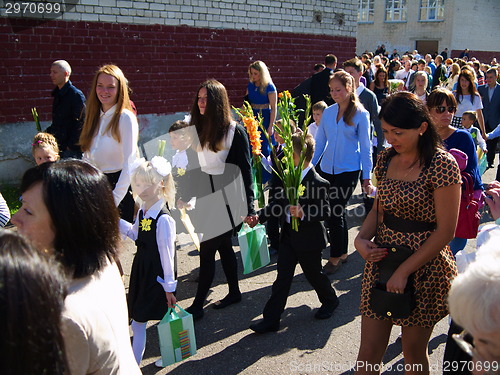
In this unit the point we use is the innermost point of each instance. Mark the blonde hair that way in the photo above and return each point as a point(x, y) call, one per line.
point(92, 112)
point(265, 76)
point(45, 141)
point(147, 172)
point(455, 69)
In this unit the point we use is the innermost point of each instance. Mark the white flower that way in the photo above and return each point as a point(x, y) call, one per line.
point(161, 165)
point(136, 164)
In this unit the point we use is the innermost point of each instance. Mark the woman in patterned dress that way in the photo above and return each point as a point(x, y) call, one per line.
point(418, 183)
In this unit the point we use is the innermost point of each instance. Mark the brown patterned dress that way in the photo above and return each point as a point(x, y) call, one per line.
point(413, 200)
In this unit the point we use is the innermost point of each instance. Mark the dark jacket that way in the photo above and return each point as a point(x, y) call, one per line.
point(319, 87)
point(68, 115)
point(491, 108)
point(315, 204)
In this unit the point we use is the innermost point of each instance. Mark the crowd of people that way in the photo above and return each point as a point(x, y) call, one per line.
point(407, 128)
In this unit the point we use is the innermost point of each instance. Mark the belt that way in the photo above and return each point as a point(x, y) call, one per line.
point(407, 226)
point(260, 106)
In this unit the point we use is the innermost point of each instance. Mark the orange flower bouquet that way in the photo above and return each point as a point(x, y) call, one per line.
point(252, 126)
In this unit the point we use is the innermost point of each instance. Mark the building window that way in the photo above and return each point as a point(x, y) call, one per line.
point(395, 10)
point(431, 10)
point(365, 11)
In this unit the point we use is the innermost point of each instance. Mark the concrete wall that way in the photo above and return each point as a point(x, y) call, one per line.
point(469, 24)
point(165, 49)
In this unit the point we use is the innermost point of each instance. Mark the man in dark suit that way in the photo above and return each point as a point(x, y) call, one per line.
point(319, 82)
point(304, 246)
point(68, 111)
point(490, 96)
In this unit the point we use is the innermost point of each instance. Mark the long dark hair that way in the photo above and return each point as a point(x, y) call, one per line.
point(81, 205)
point(469, 76)
point(406, 111)
point(32, 292)
point(212, 127)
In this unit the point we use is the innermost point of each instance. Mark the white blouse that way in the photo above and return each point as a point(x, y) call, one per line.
point(109, 155)
point(165, 239)
point(214, 162)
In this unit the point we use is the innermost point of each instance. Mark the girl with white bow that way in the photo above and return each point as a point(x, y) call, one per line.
point(153, 275)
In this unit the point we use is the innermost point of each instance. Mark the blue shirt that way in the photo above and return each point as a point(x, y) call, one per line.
point(495, 133)
point(256, 97)
point(462, 140)
point(344, 147)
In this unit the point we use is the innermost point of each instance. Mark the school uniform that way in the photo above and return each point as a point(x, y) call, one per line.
point(154, 267)
point(303, 246)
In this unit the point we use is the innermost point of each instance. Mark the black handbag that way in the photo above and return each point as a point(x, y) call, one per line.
point(387, 304)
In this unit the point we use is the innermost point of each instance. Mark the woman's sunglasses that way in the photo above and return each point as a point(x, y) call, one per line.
point(450, 109)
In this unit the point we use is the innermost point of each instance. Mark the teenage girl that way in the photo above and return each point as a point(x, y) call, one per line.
point(44, 148)
point(110, 133)
point(153, 275)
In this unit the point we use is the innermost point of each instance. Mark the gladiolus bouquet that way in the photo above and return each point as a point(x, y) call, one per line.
point(252, 126)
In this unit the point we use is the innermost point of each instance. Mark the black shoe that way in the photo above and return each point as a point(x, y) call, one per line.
point(326, 310)
point(272, 251)
point(226, 301)
point(330, 268)
point(263, 327)
point(195, 312)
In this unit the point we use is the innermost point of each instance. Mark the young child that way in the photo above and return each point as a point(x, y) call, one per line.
point(153, 275)
point(44, 148)
point(468, 120)
point(273, 223)
point(184, 161)
point(304, 246)
point(317, 112)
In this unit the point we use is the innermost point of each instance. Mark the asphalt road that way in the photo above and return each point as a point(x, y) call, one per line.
point(304, 345)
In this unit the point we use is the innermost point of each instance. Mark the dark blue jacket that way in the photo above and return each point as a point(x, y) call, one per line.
point(68, 114)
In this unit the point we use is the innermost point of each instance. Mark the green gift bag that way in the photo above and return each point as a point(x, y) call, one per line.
point(177, 339)
point(253, 247)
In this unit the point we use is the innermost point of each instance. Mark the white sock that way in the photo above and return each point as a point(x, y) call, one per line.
point(139, 340)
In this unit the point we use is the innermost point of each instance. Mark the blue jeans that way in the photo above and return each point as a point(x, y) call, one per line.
point(457, 244)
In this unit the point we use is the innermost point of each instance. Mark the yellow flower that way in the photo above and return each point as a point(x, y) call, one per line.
point(146, 224)
point(181, 171)
point(302, 189)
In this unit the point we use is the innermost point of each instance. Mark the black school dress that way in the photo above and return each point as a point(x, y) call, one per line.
point(146, 296)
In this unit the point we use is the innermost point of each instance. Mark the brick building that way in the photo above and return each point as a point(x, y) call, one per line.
point(165, 48)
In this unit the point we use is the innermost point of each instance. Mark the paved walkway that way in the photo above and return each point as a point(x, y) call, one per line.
point(303, 345)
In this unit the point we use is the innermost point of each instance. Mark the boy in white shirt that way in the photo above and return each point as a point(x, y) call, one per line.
point(468, 119)
point(317, 113)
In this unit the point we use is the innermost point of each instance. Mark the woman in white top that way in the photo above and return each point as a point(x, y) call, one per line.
point(453, 78)
point(68, 212)
point(419, 85)
point(468, 99)
point(224, 189)
point(110, 134)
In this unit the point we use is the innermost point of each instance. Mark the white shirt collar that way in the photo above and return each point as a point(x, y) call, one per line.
point(305, 171)
point(154, 210)
point(360, 88)
point(109, 112)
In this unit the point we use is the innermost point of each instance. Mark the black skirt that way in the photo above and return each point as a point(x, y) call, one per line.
point(127, 205)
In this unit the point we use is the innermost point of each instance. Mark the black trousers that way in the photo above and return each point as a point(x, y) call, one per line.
point(208, 249)
point(127, 205)
point(310, 262)
point(491, 144)
point(342, 186)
